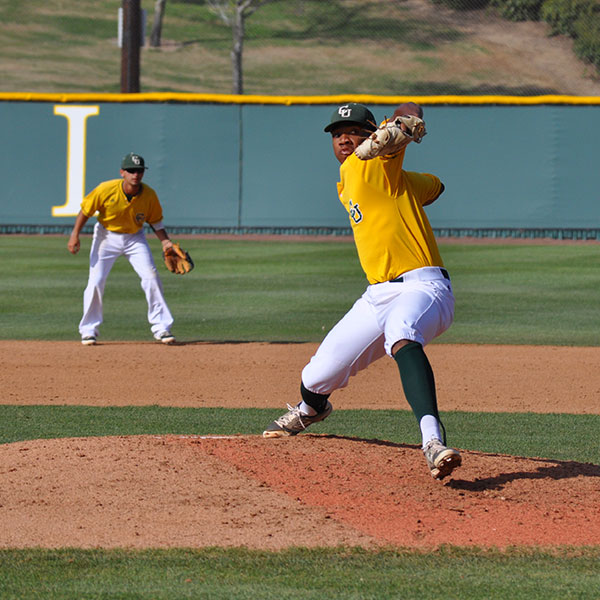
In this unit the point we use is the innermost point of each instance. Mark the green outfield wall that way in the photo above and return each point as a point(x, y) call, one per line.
point(264, 163)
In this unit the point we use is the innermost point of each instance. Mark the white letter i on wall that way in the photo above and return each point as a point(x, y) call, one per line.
point(76, 136)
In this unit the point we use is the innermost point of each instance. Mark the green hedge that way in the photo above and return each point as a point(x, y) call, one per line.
point(519, 10)
point(561, 15)
point(587, 37)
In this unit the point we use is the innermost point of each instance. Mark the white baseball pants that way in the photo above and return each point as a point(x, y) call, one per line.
point(418, 309)
point(107, 246)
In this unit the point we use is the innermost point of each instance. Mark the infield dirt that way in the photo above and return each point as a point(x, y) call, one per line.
point(311, 490)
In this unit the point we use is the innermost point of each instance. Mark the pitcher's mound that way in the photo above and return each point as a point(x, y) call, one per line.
point(311, 490)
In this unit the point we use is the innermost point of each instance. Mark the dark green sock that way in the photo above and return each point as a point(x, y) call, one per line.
point(417, 380)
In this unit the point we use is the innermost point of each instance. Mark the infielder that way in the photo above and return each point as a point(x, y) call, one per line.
point(409, 299)
point(122, 207)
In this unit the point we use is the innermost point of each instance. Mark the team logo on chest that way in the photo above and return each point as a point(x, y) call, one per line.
point(139, 217)
point(354, 211)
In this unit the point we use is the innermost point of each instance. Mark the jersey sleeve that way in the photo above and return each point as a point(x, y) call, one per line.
point(91, 203)
point(155, 213)
point(426, 187)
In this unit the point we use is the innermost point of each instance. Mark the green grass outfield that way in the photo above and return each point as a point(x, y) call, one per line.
point(288, 291)
point(292, 291)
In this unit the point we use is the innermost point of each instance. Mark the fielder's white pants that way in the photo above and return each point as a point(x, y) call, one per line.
point(418, 309)
point(107, 246)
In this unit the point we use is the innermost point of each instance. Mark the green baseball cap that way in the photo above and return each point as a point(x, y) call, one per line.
point(352, 113)
point(133, 161)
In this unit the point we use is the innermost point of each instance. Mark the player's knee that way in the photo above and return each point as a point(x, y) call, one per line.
point(400, 344)
point(323, 374)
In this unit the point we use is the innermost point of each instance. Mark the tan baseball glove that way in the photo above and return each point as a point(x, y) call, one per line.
point(391, 137)
point(177, 260)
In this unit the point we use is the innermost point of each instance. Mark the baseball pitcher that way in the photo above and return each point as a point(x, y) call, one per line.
point(409, 299)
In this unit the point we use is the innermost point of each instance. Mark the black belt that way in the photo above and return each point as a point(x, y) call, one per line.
point(401, 278)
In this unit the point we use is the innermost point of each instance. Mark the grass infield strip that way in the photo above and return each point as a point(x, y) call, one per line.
point(347, 574)
point(552, 436)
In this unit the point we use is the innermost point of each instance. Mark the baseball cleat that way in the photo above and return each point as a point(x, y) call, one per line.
point(441, 460)
point(88, 340)
point(165, 337)
point(293, 422)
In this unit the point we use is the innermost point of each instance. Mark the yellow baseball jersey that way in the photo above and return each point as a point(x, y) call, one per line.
point(385, 205)
point(115, 211)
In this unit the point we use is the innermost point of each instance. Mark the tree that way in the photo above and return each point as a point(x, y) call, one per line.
point(234, 14)
point(159, 12)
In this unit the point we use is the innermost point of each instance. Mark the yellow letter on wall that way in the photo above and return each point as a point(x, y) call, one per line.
point(77, 118)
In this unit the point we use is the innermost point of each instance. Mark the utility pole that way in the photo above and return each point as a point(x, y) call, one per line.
point(130, 50)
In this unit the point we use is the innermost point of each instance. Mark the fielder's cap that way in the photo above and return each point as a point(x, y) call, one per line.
point(133, 161)
point(352, 113)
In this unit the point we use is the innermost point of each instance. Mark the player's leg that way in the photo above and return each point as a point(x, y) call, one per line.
point(419, 314)
point(419, 389)
point(104, 251)
point(418, 384)
point(354, 343)
point(140, 257)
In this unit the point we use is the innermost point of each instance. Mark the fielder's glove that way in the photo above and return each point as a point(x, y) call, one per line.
point(177, 260)
point(391, 137)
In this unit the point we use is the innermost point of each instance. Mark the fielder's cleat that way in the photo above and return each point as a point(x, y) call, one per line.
point(441, 460)
point(165, 337)
point(293, 422)
point(88, 340)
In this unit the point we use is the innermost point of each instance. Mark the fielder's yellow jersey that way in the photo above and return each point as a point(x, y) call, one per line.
point(116, 212)
point(385, 205)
